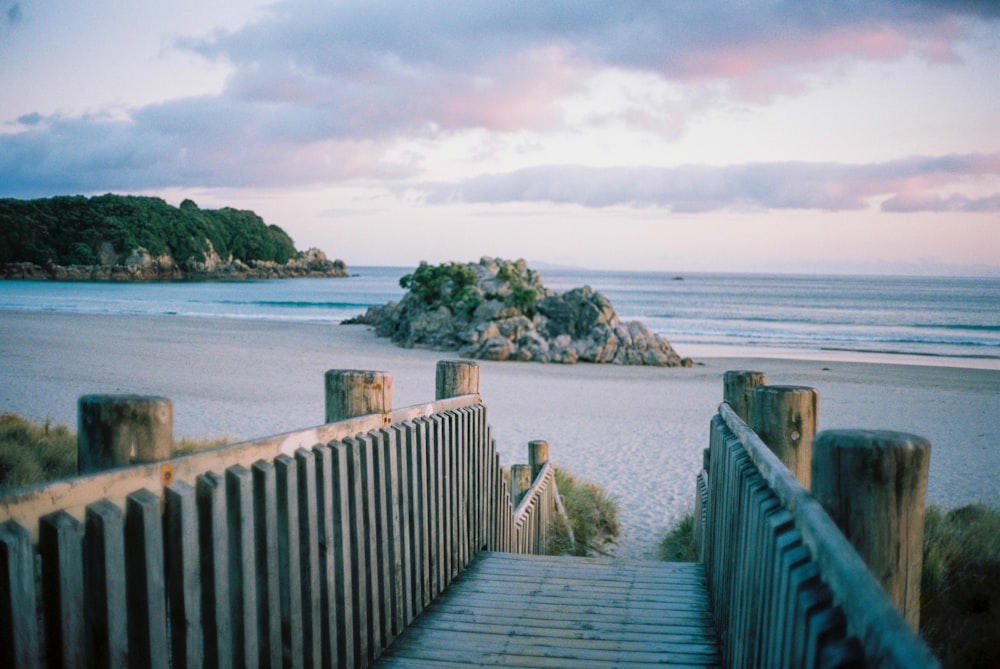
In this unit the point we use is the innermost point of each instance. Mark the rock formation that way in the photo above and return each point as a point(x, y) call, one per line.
point(500, 310)
point(139, 265)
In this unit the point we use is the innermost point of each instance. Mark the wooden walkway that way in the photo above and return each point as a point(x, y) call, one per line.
point(535, 611)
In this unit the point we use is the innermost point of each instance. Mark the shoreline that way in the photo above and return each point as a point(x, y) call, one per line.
point(637, 431)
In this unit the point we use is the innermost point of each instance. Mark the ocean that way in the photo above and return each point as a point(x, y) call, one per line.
point(954, 318)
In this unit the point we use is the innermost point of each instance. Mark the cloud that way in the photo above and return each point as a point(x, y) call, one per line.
point(910, 184)
point(319, 91)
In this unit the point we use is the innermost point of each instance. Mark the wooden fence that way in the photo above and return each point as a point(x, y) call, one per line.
point(310, 549)
point(787, 586)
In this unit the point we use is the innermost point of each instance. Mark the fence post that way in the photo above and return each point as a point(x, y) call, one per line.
point(738, 388)
point(785, 419)
point(874, 486)
point(538, 455)
point(118, 430)
point(455, 378)
point(352, 392)
point(520, 482)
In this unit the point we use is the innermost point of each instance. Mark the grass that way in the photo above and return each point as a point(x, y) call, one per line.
point(960, 581)
point(592, 515)
point(33, 453)
point(960, 585)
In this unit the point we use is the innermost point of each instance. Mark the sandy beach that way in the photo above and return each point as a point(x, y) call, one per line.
point(639, 432)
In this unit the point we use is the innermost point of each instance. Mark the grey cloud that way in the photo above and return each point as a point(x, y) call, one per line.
point(762, 186)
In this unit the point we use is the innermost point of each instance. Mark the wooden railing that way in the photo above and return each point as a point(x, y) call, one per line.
point(309, 549)
point(787, 586)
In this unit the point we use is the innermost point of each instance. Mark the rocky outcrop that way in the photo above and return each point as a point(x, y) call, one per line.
point(139, 265)
point(500, 310)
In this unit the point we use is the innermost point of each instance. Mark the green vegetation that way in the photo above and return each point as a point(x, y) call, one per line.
point(960, 585)
point(451, 285)
point(75, 230)
point(32, 453)
point(960, 581)
point(592, 516)
point(679, 545)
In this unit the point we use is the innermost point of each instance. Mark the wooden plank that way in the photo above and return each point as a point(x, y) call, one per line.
point(18, 633)
point(242, 566)
point(183, 575)
point(61, 548)
point(308, 557)
point(343, 550)
point(404, 499)
point(543, 622)
point(327, 627)
point(359, 564)
point(265, 496)
point(105, 592)
point(388, 474)
point(213, 541)
point(289, 562)
point(145, 589)
point(374, 551)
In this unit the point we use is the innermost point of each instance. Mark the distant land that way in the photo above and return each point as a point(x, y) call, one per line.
point(137, 238)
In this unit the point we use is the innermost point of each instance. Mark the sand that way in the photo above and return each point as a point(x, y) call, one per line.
point(638, 432)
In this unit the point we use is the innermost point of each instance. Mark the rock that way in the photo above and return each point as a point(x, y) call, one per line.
point(500, 310)
point(139, 265)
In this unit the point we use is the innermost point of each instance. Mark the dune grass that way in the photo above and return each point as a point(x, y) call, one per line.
point(592, 516)
point(32, 453)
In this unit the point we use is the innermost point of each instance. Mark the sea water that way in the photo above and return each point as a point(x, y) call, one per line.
point(947, 317)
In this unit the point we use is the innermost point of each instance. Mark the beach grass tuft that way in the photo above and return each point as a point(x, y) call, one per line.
point(32, 453)
point(678, 545)
point(592, 515)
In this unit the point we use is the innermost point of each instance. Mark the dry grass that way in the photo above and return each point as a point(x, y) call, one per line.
point(678, 545)
point(31, 453)
point(592, 515)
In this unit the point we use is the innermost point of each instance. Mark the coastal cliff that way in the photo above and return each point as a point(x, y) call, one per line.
point(132, 238)
point(501, 310)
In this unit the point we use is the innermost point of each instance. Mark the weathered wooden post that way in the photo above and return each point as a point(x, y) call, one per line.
point(538, 455)
point(455, 378)
point(118, 430)
point(738, 388)
point(520, 482)
point(785, 418)
point(351, 393)
point(874, 486)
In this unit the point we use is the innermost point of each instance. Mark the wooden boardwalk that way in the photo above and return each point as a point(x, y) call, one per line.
point(534, 611)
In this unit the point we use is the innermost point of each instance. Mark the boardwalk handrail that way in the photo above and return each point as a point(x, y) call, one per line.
point(314, 548)
point(788, 588)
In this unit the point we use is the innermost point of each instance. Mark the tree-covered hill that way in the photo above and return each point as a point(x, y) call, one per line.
point(119, 230)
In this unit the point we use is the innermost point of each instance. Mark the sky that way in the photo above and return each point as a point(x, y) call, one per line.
point(772, 136)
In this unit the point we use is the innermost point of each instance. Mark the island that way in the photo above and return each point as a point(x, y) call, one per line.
point(138, 238)
point(501, 310)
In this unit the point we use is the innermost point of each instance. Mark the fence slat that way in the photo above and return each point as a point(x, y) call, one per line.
point(327, 626)
point(242, 565)
point(309, 557)
point(343, 551)
point(105, 591)
point(213, 533)
point(61, 548)
point(404, 527)
point(183, 574)
point(18, 632)
point(265, 500)
point(290, 566)
point(147, 597)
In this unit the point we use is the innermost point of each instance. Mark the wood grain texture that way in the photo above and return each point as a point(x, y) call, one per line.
point(532, 611)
